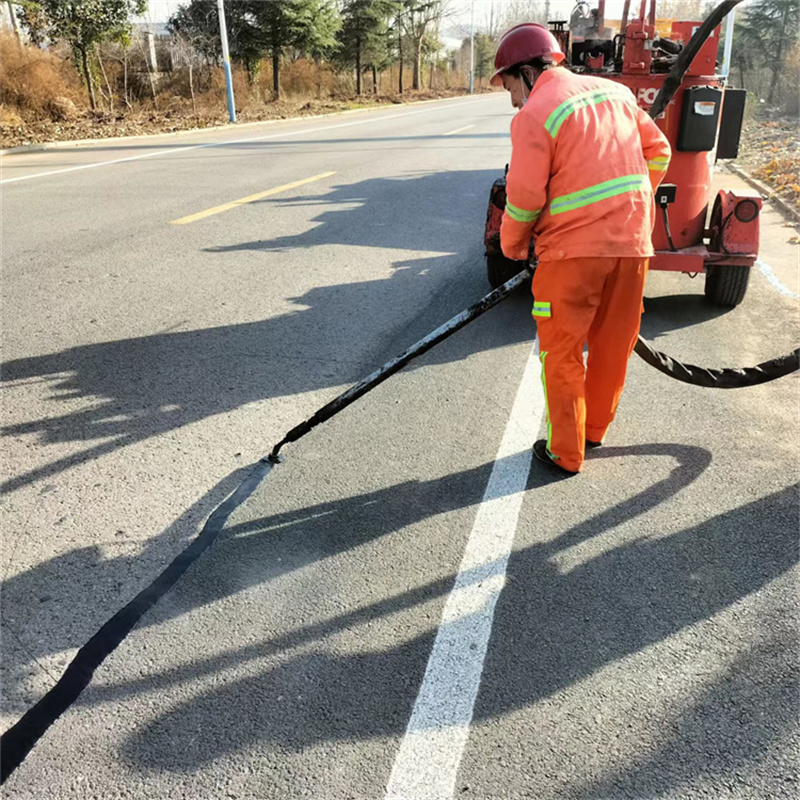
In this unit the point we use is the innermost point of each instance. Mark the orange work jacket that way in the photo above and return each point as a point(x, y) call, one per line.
point(585, 162)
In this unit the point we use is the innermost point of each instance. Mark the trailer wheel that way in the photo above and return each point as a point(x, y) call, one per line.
point(726, 284)
point(501, 269)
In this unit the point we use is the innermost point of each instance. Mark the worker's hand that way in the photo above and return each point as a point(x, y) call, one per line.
point(519, 252)
point(516, 253)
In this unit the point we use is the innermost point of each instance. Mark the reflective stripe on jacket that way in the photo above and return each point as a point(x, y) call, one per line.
point(585, 161)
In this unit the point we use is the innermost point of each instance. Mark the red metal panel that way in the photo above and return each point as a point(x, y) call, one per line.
point(705, 62)
point(694, 259)
point(740, 235)
point(690, 172)
point(691, 259)
point(638, 55)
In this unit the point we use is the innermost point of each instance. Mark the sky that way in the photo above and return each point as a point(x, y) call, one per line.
point(160, 10)
point(457, 22)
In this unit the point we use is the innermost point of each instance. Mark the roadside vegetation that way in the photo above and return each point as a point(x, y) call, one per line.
point(766, 62)
point(83, 69)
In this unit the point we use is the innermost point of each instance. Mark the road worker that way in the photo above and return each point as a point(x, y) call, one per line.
point(585, 163)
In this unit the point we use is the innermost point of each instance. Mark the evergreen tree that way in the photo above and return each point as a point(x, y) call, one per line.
point(363, 36)
point(260, 27)
point(308, 25)
point(484, 57)
point(767, 30)
point(198, 22)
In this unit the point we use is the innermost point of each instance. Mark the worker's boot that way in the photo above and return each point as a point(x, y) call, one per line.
point(590, 443)
point(540, 451)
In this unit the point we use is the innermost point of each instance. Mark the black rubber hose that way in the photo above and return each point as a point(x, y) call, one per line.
point(667, 46)
point(665, 214)
point(675, 76)
point(396, 364)
point(733, 378)
point(688, 373)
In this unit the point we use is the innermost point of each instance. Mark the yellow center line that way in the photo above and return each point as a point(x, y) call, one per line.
point(250, 199)
point(458, 130)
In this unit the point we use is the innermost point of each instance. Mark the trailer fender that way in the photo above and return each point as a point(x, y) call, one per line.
point(494, 218)
point(734, 226)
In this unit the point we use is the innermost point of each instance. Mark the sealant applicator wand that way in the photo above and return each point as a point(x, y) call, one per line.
point(396, 364)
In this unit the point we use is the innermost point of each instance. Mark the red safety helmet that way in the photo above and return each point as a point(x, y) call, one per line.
point(524, 43)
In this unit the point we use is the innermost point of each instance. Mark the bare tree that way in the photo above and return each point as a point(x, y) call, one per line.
point(419, 16)
point(507, 15)
point(185, 54)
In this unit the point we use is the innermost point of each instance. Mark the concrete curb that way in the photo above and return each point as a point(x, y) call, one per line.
point(43, 146)
point(767, 192)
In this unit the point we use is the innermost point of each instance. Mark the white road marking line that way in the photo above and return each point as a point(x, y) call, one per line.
point(224, 144)
point(427, 763)
point(458, 130)
point(767, 272)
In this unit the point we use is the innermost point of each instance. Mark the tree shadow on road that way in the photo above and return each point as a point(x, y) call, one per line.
point(730, 728)
point(418, 209)
point(552, 629)
point(258, 551)
point(143, 387)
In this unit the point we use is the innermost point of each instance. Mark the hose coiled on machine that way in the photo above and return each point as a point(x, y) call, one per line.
point(733, 378)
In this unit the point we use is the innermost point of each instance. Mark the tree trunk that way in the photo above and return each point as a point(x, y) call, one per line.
point(191, 89)
point(125, 76)
point(417, 64)
point(374, 80)
point(776, 77)
point(777, 67)
point(358, 65)
point(105, 78)
point(276, 83)
point(400, 52)
point(87, 76)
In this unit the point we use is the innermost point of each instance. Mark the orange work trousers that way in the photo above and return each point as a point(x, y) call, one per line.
point(577, 301)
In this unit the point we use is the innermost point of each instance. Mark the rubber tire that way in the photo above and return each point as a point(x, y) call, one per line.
point(726, 285)
point(501, 269)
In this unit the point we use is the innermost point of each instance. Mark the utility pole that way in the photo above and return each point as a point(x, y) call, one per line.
point(726, 59)
point(472, 47)
point(226, 60)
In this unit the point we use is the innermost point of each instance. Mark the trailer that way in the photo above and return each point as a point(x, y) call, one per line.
point(696, 231)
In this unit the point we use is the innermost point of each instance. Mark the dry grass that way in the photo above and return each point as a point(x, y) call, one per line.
point(770, 151)
point(34, 80)
point(39, 87)
point(782, 174)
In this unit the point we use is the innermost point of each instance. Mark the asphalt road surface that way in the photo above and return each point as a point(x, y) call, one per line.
point(407, 607)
